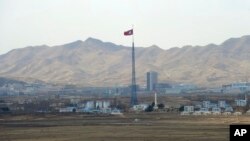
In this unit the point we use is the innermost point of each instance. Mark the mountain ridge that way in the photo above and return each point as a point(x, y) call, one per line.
point(96, 63)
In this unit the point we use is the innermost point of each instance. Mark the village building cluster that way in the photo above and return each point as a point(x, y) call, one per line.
point(219, 108)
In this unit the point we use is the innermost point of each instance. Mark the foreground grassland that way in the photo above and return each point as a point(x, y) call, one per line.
point(129, 127)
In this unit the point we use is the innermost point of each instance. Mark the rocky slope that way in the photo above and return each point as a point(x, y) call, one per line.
point(96, 63)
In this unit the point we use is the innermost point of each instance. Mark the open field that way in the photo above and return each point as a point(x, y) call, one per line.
point(146, 127)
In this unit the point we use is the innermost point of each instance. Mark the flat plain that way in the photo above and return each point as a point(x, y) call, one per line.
point(128, 127)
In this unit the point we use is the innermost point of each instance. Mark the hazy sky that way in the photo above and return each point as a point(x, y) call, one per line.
point(166, 23)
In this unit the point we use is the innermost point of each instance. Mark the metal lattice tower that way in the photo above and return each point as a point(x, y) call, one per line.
point(134, 100)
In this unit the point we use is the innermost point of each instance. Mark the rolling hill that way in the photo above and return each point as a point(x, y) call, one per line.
point(96, 63)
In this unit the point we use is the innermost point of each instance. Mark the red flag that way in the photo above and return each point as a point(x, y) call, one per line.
point(129, 32)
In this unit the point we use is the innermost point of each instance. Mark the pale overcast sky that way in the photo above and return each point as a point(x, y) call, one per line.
point(166, 23)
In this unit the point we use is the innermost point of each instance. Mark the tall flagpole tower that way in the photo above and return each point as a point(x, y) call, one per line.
point(134, 100)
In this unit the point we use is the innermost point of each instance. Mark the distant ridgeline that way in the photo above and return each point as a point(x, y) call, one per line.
point(96, 63)
point(5, 81)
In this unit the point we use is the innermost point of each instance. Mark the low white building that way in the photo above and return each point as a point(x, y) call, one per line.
point(185, 113)
point(197, 113)
point(216, 111)
point(227, 113)
point(205, 111)
point(222, 104)
point(140, 107)
point(189, 109)
point(106, 104)
point(98, 104)
point(106, 110)
point(248, 112)
point(90, 105)
point(229, 109)
point(237, 113)
point(116, 112)
point(241, 102)
point(206, 104)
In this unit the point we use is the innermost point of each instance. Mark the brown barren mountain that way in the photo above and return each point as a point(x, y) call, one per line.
point(96, 63)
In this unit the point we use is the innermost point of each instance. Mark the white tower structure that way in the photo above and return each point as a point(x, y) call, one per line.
point(155, 107)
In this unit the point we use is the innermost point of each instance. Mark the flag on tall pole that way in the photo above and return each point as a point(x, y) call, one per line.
point(129, 32)
point(133, 86)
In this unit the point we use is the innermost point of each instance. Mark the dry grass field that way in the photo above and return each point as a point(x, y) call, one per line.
point(129, 127)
